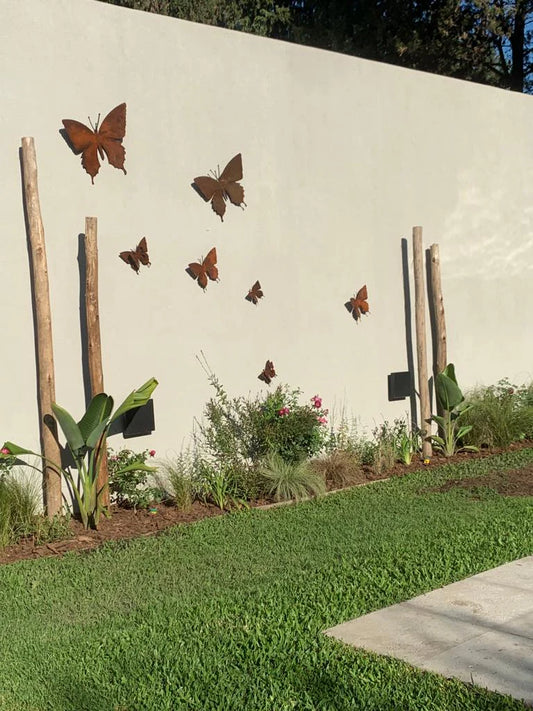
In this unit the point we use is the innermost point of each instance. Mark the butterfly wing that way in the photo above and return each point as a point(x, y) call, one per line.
point(228, 180)
point(84, 141)
point(267, 373)
point(255, 293)
point(207, 186)
point(110, 134)
point(233, 171)
point(211, 189)
point(209, 264)
point(130, 258)
point(269, 368)
point(197, 271)
point(358, 305)
point(141, 252)
point(354, 307)
point(264, 377)
point(362, 294)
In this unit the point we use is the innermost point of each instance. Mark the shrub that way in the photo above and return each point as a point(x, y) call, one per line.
point(281, 425)
point(500, 414)
point(290, 480)
point(128, 478)
point(237, 433)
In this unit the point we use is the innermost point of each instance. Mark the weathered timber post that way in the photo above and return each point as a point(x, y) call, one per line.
point(421, 350)
point(94, 349)
point(43, 327)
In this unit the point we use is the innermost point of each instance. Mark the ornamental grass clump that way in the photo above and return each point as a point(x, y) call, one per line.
point(289, 480)
point(18, 507)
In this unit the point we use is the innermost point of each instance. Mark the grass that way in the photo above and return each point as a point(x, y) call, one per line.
point(18, 507)
point(228, 613)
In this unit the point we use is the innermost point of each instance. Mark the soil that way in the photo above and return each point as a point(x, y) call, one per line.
point(122, 523)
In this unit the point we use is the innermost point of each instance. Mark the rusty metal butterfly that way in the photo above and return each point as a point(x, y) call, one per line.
point(92, 143)
point(267, 373)
point(220, 188)
point(358, 304)
point(203, 270)
point(136, 257)
point(254, 294)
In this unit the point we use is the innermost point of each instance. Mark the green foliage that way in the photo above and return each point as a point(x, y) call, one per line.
point(229, 613)
point(499, 414)
point(290, 480)
point(18, 507)
point(260, 17)
point(282, 426)
point(450, 398)
point(128, 478)
point(86, 442)
point(176, 479)
point(477, 40)
point(407, 443)
point(237, 433)
point(218, 485)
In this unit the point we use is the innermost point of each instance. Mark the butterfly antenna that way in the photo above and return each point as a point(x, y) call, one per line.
point(94, 128)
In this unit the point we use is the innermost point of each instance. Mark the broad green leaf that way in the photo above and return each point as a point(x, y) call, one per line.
point(448, 392)
point(137, 466)
point(97, 432)
point(137, 398)
point(449, 372)
point(462, 431)
point(438, 420)
point(99, 409)
point(70, 429)
point(437, 440)
point(16, 450)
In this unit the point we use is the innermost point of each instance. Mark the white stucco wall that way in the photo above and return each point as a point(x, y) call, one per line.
point(341, 158)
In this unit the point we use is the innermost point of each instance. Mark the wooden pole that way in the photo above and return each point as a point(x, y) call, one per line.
point(421, 350)
point(43, 326)
point(439, 362)
point(94, 347)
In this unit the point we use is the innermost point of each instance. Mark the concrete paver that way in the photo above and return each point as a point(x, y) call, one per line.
point(479, 630)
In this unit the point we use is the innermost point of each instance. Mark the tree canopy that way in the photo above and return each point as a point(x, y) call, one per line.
point(488, 41)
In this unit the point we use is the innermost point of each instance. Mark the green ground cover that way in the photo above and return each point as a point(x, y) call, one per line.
point(228, 613)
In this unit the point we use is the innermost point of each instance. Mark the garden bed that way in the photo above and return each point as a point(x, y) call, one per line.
point(123, 523)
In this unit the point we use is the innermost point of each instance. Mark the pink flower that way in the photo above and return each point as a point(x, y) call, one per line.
point(283, 411)
point(317, 401)
point(4, 450)
point(152, 452)
point(323, 420)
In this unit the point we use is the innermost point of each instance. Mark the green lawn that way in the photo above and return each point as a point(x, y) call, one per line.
point(228, 613)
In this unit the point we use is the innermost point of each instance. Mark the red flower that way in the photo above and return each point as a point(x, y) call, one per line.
point(152, 452)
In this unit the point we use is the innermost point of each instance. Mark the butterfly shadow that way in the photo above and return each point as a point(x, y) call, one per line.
point(199, 192)
point(192, 275)
point(349, 308)
point(64, 136)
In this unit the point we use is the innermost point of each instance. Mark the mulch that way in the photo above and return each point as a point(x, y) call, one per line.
point(123, 524)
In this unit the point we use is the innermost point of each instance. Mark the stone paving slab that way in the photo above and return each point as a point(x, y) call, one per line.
point(479, 630)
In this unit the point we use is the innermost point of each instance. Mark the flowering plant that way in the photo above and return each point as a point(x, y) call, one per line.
point(285, 427)
point(128, 478)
